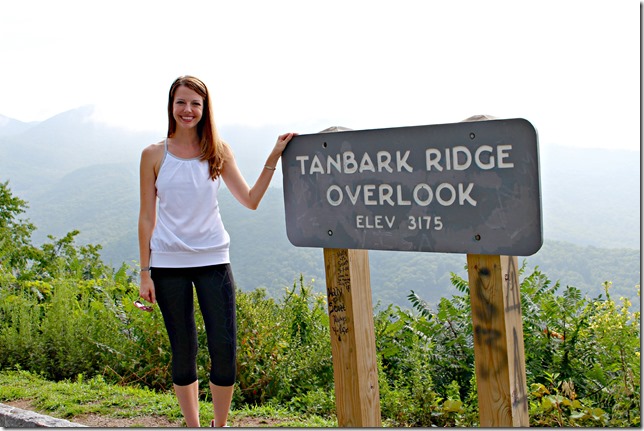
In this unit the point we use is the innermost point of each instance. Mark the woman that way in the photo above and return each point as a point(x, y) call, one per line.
point(185, 243)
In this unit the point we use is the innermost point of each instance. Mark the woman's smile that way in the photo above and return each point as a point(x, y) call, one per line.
point(187, 119)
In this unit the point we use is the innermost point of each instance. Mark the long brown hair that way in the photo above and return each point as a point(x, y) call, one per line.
point(212, 146)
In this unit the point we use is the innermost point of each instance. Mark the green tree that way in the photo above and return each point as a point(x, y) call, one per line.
point(16, 250)
point(62, 258)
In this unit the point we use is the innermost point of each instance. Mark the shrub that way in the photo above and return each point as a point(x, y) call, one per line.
point(284, 348)
point(64, 313)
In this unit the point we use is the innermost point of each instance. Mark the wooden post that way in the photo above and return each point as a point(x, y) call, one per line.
point(353, 341)
point(498, 340)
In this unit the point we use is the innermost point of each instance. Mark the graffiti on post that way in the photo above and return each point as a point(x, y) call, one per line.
point(513, 308)
point(519, 395)
point(513, 295)
point(485, 311)
point(336, 297)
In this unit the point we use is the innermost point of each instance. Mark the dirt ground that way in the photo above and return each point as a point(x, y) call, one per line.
point(98, 421)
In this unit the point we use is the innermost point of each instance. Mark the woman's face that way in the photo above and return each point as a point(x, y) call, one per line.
point(187, 107)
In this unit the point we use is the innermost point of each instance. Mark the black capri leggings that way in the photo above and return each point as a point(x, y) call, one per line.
point(216, 295)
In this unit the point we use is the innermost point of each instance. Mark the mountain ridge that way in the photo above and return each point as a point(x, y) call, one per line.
point(79, 174)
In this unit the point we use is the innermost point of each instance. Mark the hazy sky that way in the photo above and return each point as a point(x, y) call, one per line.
point(572, 68)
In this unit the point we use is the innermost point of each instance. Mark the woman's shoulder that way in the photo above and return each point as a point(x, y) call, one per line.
point(153, 154)
point(155, 149)
point(226, 151)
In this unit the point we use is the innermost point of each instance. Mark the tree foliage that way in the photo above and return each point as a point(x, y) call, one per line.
point(65, 313)
point(15, 233)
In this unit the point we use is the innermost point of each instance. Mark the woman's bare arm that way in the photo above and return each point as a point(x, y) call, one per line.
point(150, 162)
point(248, 196)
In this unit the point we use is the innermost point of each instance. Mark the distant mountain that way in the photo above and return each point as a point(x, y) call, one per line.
point(79, 174)
point(591, 196)
point(9, 126)
point(31, 153)
point(55, 147)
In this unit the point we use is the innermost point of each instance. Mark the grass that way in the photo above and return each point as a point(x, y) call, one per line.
point(69, 399)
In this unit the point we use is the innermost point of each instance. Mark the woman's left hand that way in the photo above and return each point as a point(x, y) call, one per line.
point(282, 141)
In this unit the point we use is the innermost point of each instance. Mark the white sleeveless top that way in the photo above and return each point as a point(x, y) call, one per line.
point(188, 231)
